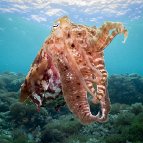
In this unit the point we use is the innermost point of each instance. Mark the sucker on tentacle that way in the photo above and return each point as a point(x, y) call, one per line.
point(71, 62)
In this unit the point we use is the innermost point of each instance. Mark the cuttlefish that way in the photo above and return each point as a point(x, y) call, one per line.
point(71, 63)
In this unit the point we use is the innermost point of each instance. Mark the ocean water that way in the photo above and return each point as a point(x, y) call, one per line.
point(24, 26)
point(20, 41)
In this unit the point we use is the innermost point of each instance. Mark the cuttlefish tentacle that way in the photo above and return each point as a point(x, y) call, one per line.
point(105, 38)
point(74, 64)
point(75, 94)
point(92, 71)
point(101, 88)
point(101, 91)
point(88, 85)
point(105, 105)
point(86, 68)
point(96, 72)
point(113, 35)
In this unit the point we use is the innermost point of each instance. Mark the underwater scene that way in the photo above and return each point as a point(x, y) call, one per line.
point(71, 71)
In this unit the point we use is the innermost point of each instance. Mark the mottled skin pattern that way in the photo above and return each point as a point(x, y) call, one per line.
point(42, 82)
point(74, 55)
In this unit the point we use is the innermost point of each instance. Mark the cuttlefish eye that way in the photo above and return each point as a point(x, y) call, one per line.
point(56, 25)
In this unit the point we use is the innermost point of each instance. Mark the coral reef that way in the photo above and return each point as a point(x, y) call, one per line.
point(126, 89)
point(10, 81)
point(22, 123)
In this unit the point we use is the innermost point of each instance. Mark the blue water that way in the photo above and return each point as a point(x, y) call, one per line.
point(21, 39)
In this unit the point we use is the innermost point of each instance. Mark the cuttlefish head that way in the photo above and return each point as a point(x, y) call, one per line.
point(61, 23)
point(65, 31)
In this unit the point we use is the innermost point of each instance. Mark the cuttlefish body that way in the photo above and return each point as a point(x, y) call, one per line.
point(71, 63)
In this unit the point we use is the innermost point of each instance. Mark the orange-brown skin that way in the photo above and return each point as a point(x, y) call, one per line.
point(76, 51)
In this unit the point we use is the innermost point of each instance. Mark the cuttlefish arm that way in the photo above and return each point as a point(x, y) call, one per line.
point(42, 78)
point(104, 40)
point(104, 37)
point(75, 93)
